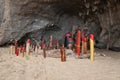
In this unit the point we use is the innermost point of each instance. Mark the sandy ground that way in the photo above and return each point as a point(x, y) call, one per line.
point(105, 67)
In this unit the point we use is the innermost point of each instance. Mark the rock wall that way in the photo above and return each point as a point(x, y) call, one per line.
point(20, 17)
point(2, 7)
point(35, 18)
point(1, 10)
point(110, 24)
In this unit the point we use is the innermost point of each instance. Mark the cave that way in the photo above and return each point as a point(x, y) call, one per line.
point(20, 20)
point(30, 21)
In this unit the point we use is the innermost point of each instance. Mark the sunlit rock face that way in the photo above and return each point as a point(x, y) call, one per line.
point(22, 19)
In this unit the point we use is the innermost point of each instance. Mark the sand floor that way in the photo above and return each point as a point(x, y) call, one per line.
point(37, 68)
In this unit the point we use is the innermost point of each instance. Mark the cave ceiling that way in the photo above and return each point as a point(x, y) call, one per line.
point(84, 8)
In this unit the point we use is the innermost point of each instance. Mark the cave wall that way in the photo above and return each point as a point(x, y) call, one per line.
point(1, 10)
point(2, 7)
point(110, 24)
point(19, 17)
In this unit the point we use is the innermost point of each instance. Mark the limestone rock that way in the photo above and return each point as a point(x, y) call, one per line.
point(21, 18)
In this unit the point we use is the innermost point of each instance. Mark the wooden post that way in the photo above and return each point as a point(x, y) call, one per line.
point(42, 43)
point(28, 47)
point(85, 45)
point(16, 45)
point(91, 47)
point(12, 50)
point(44, 50)
point(63, 54)
point(50, 46)
point(17, 51)
point(82, 34)
point(57, 44)
point(36, 49)
point(21, 48)
point(23, 51)
point(78, 40)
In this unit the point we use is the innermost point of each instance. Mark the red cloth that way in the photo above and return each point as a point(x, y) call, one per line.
point(17, 52)
point(21, 47)
point(92, 36)
point(28, 40)
point(78, 40)
point(84, 39)
point(77, 51)
point(68, 34)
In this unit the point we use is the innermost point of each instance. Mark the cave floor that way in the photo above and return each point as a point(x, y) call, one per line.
point(104, 67)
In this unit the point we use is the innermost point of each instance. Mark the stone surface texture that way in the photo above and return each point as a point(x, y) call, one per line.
point(35, 17)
